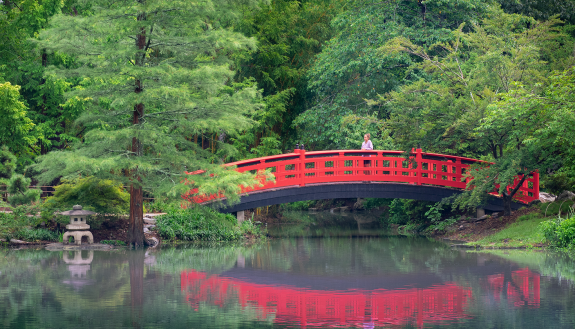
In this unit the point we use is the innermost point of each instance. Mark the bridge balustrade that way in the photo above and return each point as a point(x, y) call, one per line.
point(303, 168)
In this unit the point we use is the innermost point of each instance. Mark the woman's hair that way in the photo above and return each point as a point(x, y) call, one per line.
point(368, 135)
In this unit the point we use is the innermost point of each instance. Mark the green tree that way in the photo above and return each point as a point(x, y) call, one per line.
point(154, 73)
point(7, 165)
point(24, 64)
point(14, 122)
point(20, 193)
point(351, 69)
point(541, 9)
point(289, 34)
point(446, 112)
point(541, 135)
point(440, 113)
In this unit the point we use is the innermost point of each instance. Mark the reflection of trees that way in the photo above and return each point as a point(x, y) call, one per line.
point(325, 224)
point(33, 295)
point(549, 263)
point(208, 257)
point(344, 256)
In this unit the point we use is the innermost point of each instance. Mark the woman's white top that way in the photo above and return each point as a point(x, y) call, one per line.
point(367, 145)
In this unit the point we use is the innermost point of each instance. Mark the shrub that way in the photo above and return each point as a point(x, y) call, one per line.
point(29, 234)
point(200, 223)
point(559, 232)
point(250, 228)
point(101, 196)
point(397, 214)
point(559, 182)
point(20, 194)
point(7, 165)
point(11, 223)
point(371, 203)
point(159, 205)
point(557, 208)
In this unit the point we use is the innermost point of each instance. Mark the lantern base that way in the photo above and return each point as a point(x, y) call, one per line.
point(77, 235)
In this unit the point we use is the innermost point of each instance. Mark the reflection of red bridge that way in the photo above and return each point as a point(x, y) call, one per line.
point(340, 174)
point(521, 289)
point(331, 308)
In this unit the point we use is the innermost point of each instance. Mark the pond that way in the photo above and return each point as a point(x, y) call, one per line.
point(341, 279)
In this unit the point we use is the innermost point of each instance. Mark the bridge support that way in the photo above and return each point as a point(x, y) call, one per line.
point(240, 216)
point(480, 212)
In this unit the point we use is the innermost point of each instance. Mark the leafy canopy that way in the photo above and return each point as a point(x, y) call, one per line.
point(351, 69)
point(14, 122)
point(154, 73)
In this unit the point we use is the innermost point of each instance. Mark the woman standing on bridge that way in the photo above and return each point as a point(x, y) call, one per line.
point(366, 145)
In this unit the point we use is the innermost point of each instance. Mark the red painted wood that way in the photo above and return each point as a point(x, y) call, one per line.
point(301, 168)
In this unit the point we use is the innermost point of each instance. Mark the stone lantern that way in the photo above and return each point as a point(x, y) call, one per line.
point(78, 227)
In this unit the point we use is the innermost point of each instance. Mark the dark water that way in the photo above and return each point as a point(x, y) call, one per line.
point(350, 281)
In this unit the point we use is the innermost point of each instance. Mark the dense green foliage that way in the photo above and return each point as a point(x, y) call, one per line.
point(15, 126)
point(139, 92)
point(140, 103)
point(19, 191)
point(200, 223)
point(18, 225)
point(101, 196)
point(351, 68)
point(7, 165)
point(289, 35)
point(560, 232)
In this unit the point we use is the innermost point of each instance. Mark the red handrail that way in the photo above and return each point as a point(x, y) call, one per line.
point(301, 168)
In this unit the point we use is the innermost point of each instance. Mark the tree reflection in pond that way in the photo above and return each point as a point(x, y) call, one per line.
point(350, 282)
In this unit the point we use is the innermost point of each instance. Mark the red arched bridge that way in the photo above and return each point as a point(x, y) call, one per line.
point(361, 174)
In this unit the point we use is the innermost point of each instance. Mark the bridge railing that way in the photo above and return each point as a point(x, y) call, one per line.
point(302, 168)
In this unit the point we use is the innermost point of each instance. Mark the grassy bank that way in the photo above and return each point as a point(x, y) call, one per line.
point(544, 225)
point(205, 224)
point(524, 233)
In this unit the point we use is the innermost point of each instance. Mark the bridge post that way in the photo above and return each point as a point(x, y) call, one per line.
point(240, 216)
point(302, 165)
point(419, 170)
point(480, 212)
point(536, 185)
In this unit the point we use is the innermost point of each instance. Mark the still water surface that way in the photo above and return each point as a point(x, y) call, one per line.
point(350, 280)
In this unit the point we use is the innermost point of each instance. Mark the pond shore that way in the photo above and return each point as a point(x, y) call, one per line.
point(518, 231)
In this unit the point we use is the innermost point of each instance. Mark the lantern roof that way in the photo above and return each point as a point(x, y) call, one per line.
point(77, 211)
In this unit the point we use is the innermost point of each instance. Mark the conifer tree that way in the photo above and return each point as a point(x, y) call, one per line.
point(154, 74)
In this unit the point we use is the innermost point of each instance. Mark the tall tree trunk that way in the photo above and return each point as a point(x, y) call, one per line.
point(136, 223)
